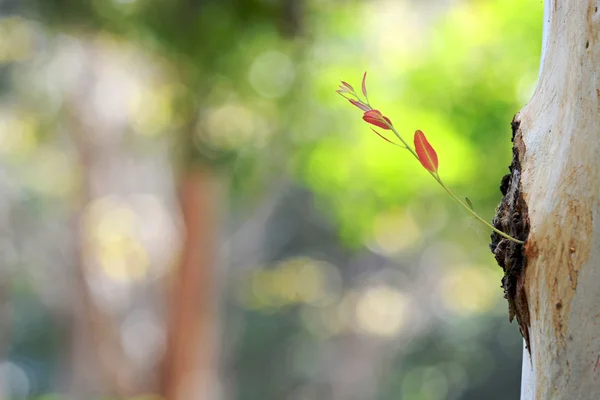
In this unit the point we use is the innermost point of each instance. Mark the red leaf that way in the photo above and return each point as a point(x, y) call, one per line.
point(374, 117)
point(364, 84)
point(426, 153)
point(360, 105)
point(348, 86)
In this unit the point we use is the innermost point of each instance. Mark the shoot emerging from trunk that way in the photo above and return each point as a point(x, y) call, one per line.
point(423, 151)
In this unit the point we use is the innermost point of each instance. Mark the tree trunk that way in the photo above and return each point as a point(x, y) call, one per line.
point(190, 361)
point(101, 364)
point(553, 283)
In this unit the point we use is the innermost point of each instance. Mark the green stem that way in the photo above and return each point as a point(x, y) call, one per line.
point(459, 201)
point(473, 213)
point(436, 176)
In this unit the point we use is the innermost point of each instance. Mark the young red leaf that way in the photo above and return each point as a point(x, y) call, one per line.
point(374, 117)
point(364, 84)
point(426, 153)
point(348, 86)
point(360, 105)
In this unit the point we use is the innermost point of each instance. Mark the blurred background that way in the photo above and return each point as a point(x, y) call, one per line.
point(188, 210)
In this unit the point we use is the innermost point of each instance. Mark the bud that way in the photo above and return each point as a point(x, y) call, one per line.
point(374, 117)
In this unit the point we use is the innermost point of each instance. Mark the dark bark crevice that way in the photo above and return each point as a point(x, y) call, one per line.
point(512, 218)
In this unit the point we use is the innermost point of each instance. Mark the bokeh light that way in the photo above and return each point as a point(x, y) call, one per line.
point(382, 311)
point(469, 290)
point(272, 74)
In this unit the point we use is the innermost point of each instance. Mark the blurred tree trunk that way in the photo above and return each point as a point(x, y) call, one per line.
point(553, 283)
point(98, 363)
point(101, 365)
point(190, 371)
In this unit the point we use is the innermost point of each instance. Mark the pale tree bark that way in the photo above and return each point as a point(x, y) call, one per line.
point(553, 196)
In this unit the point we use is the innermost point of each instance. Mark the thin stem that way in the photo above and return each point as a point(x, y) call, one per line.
point(353, 93)
point(402, 140)
point(473, 213)
point(439, 180)
point(435, 175)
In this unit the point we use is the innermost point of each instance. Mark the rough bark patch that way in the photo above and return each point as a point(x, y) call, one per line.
point(565, 240)
point(512, 218)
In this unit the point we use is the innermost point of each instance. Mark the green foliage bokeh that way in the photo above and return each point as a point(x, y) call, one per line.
point(458, 73)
